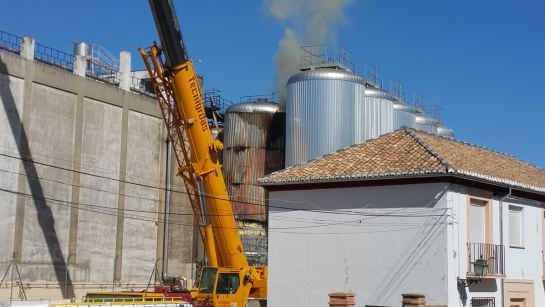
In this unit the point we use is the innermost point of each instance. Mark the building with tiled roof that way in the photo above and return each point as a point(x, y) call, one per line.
point(414, 154)
point(408, 212)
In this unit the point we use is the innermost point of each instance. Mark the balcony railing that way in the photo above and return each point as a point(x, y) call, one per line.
point(493, 254)
point(483, 302)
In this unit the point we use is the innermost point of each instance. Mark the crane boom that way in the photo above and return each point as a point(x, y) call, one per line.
point(204, 149)
point(179, 95)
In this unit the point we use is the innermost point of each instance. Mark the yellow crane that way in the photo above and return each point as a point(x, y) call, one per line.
point(228, 280)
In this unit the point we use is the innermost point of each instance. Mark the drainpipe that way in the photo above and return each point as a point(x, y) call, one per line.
point(501, 237)
point(166, 218)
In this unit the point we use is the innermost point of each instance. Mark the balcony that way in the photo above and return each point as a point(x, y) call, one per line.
point(493, 254)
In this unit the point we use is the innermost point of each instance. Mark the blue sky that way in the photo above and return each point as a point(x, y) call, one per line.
point(483, 62)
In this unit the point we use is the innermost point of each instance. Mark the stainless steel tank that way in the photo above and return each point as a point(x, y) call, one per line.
point(426, 123)
point(82, 49)
point(376, 115)
point(253, 139)
point(321, 110)
point(445, 131)
point(404, 115)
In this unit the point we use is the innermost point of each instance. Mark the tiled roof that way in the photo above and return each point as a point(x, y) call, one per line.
point(409, 153)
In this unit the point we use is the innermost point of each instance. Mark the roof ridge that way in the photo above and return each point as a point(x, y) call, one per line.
point(427, 147)
point(481, 147)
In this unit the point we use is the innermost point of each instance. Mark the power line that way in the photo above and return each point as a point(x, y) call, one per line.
point(80, 164)
point(197, 193)
point(115, 211)
point(156, 201)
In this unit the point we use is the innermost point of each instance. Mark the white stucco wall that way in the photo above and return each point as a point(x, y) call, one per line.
point(526, 263)
point(378, 242)
point(520, 264)
point(458, 253)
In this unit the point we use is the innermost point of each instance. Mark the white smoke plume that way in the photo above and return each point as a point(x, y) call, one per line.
point(309, 21)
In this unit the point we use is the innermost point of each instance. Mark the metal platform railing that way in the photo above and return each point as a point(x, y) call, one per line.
point(103, 72)
point(54, 57)
point(10, 42)
point(327, 55)
point(273, 97)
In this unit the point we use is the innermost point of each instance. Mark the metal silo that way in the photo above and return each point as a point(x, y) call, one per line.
point(321, 110)
point(376, 115)
point(253, 138)
point(426, 123)
point(404, 115)
point(445, 131)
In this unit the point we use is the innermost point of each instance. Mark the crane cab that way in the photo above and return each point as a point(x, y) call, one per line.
point(220, 287)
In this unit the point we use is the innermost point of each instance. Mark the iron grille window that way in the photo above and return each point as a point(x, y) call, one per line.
point(483, 302)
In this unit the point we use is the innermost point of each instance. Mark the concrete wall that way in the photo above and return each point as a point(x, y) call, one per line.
point(377, 242)
point(75, 152)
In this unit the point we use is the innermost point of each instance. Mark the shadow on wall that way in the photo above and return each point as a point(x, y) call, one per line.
point(411, 255)
point(44, 214)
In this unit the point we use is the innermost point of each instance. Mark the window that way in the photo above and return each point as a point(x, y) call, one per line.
point(516, 235)
point(477, 221)
point(208, 278)
point(227, 283)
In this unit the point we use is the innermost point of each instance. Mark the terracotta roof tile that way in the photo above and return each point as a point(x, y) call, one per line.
point(412, 153)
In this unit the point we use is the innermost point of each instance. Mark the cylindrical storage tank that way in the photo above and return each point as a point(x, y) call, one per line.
point(321, 107)
point(376, 115)
point(426, 123)
point(445, 131)
point(404, 115)
point(253, 139)
point(82, 49)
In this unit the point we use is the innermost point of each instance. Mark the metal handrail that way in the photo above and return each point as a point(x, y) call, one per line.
point(10, 42)
point(273, 97)
point(103, 72)
point(101, 55)
point(327, 54)
point(54, 57)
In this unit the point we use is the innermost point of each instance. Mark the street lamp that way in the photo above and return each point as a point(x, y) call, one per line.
point(480, 266)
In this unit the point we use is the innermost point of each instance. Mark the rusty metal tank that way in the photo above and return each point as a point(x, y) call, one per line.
point(253, 138)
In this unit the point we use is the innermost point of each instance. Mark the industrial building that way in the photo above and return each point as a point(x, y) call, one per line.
point(83, 162)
